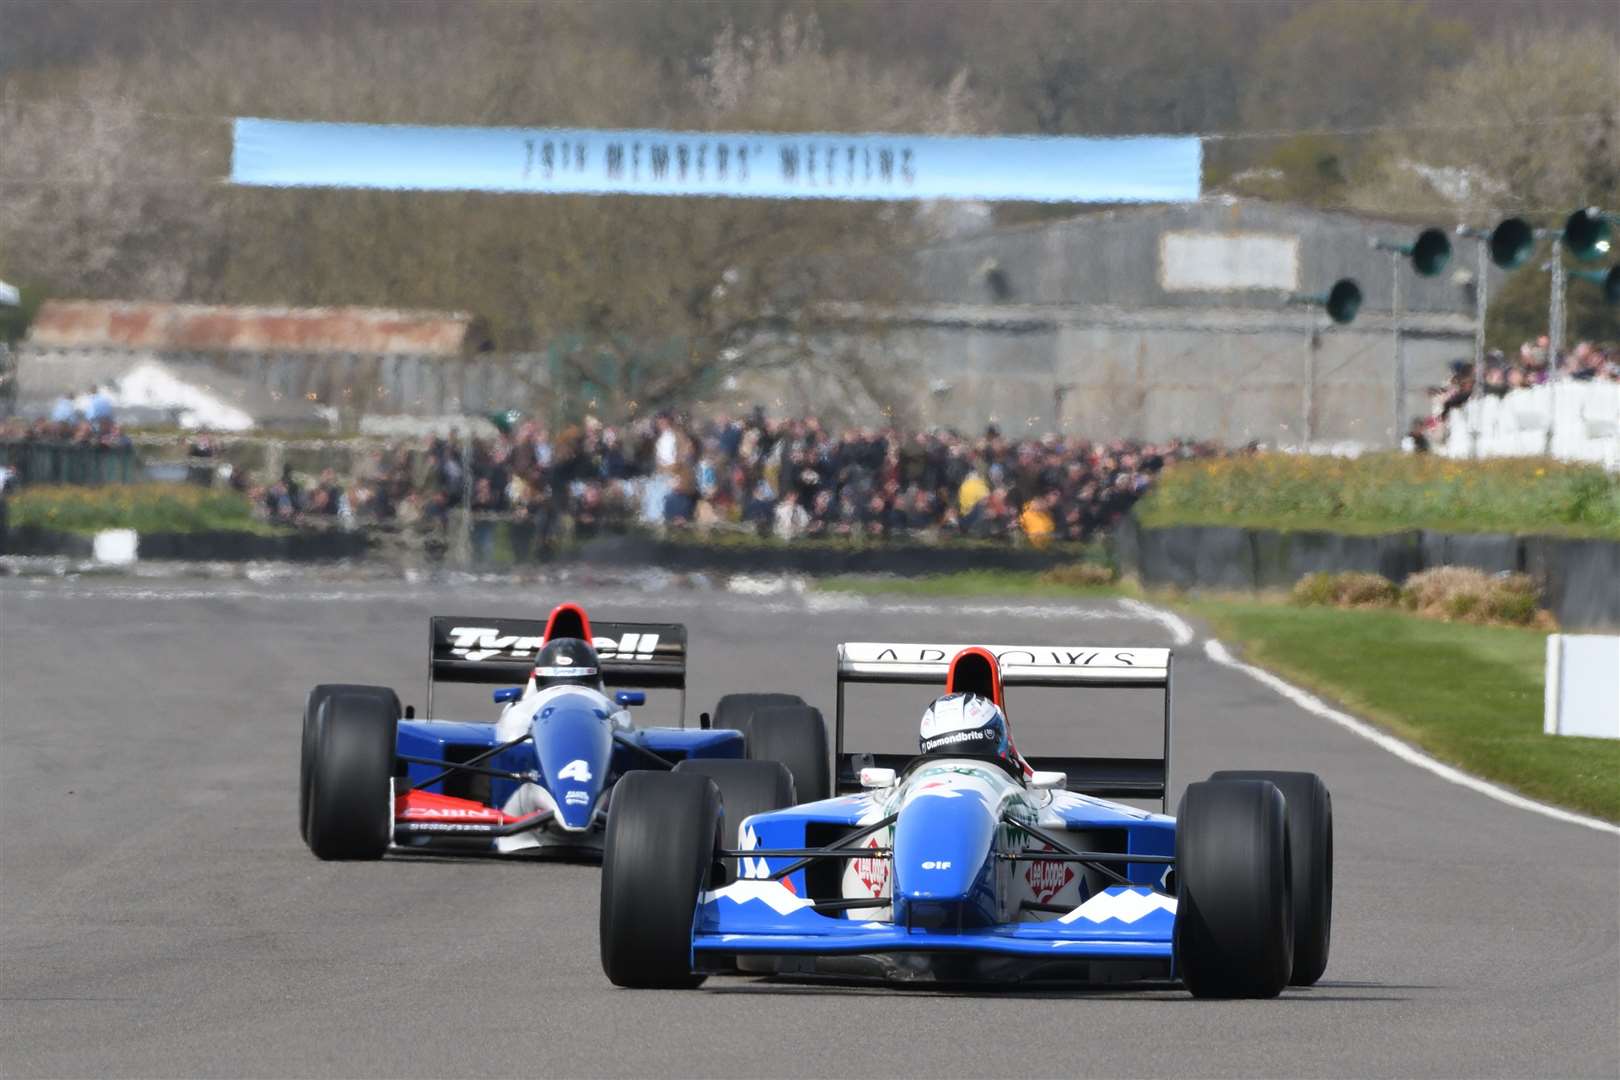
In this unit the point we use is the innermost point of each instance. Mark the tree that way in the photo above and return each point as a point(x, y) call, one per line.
point(1518, 311)
point(1531, 126)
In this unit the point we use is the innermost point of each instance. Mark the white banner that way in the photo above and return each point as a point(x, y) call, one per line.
point(286, 153)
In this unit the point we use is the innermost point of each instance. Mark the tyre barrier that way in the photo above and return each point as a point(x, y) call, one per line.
point(1578, 578)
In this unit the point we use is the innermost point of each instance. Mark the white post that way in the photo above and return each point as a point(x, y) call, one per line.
point(1555, 335)
point(1400, 346)
point(1307, 426)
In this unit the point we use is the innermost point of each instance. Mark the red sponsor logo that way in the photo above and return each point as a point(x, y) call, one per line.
point(1046, 878)
point(456, 812)
point(873, 873)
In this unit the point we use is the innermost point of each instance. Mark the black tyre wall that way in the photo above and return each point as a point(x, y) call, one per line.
point(1310, 851)
point(351, 815)
point(795, 735)
point(735, 710)
point(1234, 933)
point(311, 730)
point(661, 836)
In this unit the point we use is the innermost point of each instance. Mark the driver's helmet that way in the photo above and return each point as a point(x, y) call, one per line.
point(567, 662)
point(967, 724)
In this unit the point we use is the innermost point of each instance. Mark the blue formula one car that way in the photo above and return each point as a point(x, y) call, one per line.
point(542, 776)
point(965, 867)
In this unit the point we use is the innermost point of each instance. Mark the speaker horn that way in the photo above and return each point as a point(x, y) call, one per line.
point(1511, 243)
point(1430, 252)
point(1342, 301)
point(1587, 233)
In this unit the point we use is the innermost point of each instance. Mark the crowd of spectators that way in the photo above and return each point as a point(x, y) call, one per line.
point(1531, 366)
point(86, 420)
point(788, 478)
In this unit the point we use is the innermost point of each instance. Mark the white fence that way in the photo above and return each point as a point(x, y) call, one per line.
point(1573, 421)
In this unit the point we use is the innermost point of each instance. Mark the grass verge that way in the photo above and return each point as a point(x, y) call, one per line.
point(148, 508)
point(988, 583)
point(1469, 695)
point(1379, 493)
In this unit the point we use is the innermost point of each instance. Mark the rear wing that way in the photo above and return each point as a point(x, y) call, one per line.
point(894, 663)
point(500, 652)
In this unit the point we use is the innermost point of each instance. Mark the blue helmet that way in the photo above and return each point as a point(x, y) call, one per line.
point(967, 724)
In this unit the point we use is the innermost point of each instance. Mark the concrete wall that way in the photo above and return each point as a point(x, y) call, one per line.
point(1160, 321)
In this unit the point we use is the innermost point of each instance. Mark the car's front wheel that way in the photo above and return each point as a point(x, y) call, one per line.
point(746, 788)
point(1310, 853)
point(312, 718)
point(1234, 933)
point(662, 831)
point(350, 785)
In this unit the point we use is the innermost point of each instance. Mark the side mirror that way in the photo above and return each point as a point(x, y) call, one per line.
point(628, 698)
point(873, 777)
point(506, 694)
point(1049, 781)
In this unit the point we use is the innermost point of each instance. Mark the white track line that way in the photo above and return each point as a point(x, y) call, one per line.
point(789, 602)
point(1180, 632)
point(1313, 704)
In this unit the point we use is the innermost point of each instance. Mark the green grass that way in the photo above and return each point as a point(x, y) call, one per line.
point(1020, 583)
point(148, 508)
point(1469, 695)
point(1387, 492)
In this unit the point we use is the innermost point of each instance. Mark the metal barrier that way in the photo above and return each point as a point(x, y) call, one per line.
point(36, 462)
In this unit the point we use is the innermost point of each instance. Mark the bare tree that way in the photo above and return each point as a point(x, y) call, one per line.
point(1529, 125)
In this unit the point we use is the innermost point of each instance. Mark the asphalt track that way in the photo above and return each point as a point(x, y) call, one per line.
point(159, 915)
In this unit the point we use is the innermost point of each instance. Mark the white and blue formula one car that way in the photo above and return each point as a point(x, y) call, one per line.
point(542, 776)
point(966, 868)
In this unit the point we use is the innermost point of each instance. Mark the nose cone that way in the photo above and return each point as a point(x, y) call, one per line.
point(942, 843)
point(574, 746)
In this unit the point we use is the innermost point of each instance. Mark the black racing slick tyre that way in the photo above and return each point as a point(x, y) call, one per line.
point(733, 711)
point(306, 761)
point(351, 813)
point(661, 836)
point(795, 735)
point(746, 788)
point(1310, 850)
point(1234, 935)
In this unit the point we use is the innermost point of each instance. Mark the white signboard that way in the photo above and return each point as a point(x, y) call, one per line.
point(1222, 262)
point(1583, 685)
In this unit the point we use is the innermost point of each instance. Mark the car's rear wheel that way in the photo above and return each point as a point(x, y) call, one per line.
point(795, 735)
point(312, 708)
point(661, 837)
point(735, 710)
point(1234, 934)
point(351, 812)
point(1310, 853)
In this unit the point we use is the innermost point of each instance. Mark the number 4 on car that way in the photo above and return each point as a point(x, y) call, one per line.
point(543, 776)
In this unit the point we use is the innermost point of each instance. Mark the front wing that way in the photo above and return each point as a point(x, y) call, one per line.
point(752, 917)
